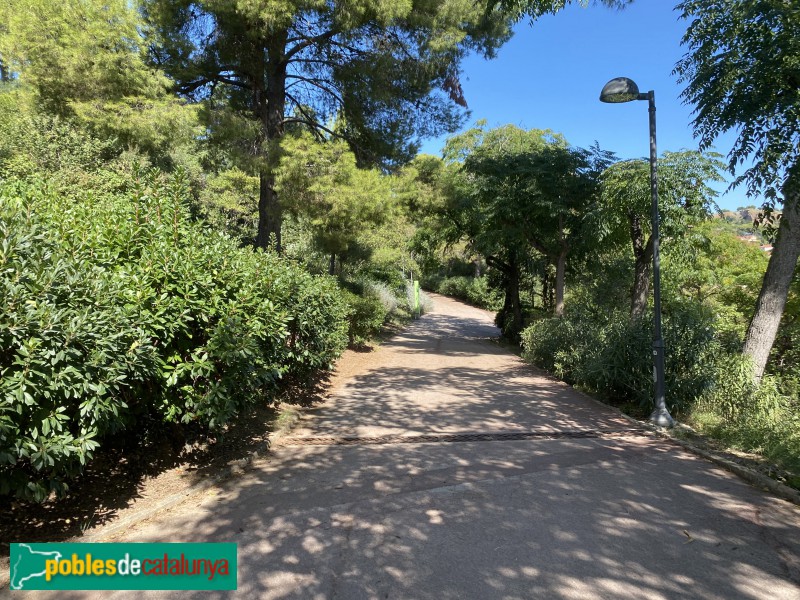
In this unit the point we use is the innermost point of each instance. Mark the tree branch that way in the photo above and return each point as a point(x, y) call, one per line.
point(305, 42)
point(317, 84)
point(495, 262)
point(309, 120)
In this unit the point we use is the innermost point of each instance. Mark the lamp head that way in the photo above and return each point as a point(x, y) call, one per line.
point(621, 89)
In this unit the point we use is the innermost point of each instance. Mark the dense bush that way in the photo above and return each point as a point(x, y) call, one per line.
point(120, 307)
point(611, 356)
point(384, 293)
point(366, 316)
point(370, 303)
point(762, 418)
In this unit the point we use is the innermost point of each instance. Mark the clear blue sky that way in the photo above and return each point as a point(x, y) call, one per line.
point(549, 76)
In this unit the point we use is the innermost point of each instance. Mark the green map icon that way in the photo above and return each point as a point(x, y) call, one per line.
point(27, 564)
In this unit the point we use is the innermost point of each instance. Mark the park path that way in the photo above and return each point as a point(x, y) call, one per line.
point(446, 468)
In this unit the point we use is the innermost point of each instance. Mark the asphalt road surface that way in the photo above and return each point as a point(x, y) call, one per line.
point(446, 468)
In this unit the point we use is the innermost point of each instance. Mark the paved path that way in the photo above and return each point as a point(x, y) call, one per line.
point(529, 510)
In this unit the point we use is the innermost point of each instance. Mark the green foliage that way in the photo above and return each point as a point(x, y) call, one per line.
point(560, 345)
point(322, 185)
point(159, 127)
point(752, 417)
point(684, 194)
point(623, 214)
point(372, 64)
point(366, 314)
point(534, 9)
point(77, 51)
point(611, 357)
point(381, 75)
point(32, 143)
point(72, 355)
point(229, 202)
point(743, 74)
point(741, 71)
point(121, 307)
point(514, 193)
point(715, 269)
point(475, 290)
point(785, 358)
point(83, 59)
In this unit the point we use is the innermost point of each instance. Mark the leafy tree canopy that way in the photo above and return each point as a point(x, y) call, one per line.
point(373, 65)
point(84, 60)
point(77, 50)
point(323, 185)
point(684, 193)
point(742, 71)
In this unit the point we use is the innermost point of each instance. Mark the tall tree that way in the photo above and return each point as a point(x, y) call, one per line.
point(484, 205)
point(85, 60)
point(325, 188)
point(742, 72)
point(683, 196)
point(563, 185)
point(386, 71)
point(512, 192)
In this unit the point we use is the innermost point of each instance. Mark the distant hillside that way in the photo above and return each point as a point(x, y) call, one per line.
point(744, 215)
point(742, 222)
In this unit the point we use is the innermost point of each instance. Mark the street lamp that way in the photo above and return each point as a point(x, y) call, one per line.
point(623, 89)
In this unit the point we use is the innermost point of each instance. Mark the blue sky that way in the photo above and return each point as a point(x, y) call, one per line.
point(550, 74)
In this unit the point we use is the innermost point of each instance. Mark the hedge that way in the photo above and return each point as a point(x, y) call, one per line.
point(121, 307)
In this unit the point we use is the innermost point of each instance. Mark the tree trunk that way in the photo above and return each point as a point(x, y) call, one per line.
point(561, 266)
point(270, 104)
point(546, 290)
point(643, 256)
point(269, 213)
point(513, 301)
point(510, 317)
point(332, 264)
point(775, 287)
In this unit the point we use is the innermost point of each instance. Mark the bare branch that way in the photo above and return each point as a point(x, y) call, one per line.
point(319, 84)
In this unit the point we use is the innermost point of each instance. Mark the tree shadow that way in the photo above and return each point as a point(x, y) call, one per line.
point(590, 518)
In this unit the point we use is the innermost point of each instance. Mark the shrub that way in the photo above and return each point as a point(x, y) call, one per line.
point(121, 309)
point(384, 293)
point(611, 356)
point(72, 361)
point(366, 316)
point(476, 291)
point(750, 416)
point(558, 345)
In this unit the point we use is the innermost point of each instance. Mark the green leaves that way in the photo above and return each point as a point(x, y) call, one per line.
point(742, 71)
point(323, 186)
point(122, 307)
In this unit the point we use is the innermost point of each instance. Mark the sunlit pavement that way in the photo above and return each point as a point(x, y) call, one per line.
point(381, 493)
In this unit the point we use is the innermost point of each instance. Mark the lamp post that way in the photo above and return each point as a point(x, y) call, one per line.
point(623, 89)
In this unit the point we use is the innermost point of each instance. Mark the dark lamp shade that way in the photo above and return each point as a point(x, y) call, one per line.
point(620, 89)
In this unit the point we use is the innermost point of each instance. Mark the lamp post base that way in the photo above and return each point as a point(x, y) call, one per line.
point(661, 418)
